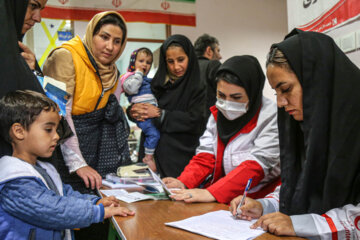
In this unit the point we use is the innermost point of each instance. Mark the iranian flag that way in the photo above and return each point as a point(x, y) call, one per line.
point(174, 12)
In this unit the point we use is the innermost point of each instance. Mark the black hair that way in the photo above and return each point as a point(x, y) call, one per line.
point(114, 20)
point(22, 107)
point(277, 57)
point(174, 44)
point(203, 42)
point(228, 77)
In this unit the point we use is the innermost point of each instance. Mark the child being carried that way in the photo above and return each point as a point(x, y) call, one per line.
point(137, 86)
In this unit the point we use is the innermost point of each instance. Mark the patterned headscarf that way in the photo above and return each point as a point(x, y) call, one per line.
point(131, 67)
point(133, 56)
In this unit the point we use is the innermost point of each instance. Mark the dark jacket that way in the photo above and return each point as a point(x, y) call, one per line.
point(208, 69)
point(183, 103)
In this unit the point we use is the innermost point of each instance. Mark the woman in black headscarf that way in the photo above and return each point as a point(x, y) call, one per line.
point(239, 143)
point(181, 100)
point(319, 117)
point(14, 71)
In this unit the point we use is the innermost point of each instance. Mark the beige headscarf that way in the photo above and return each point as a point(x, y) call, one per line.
point(108, 73)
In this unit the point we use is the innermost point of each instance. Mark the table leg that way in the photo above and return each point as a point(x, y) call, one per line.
point(113, 234)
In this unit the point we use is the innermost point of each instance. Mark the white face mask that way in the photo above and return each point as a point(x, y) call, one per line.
point(231, 110)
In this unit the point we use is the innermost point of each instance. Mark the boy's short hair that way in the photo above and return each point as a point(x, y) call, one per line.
point(22, 106)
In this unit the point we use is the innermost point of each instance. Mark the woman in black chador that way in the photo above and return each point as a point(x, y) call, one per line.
point(181, 99)
point(15, 74)
point(317, 89)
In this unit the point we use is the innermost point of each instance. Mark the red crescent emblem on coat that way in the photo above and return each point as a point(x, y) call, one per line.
point(356, 222)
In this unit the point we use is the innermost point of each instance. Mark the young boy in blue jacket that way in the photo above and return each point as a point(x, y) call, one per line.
point(34, 203)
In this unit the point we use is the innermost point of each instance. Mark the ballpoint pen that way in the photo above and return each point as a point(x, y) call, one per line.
point(243, 197)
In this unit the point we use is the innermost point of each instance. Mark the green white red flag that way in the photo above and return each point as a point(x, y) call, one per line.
point(174, 12)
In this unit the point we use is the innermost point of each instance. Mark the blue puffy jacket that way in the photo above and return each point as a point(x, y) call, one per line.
point(30, 210)
point(145, 88)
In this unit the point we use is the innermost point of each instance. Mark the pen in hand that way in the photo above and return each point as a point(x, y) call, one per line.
point(238, 211)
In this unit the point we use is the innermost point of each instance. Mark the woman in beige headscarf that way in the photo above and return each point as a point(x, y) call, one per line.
point(87, 66)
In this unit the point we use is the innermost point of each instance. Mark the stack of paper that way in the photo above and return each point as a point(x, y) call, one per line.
point(150, 185)
point(137, 170)
point(112, 184)
point(219, 225)
point(125, 196)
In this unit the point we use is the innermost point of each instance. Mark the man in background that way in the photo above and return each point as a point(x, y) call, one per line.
point(208, 53)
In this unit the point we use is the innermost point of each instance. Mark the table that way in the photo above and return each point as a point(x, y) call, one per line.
point(150, 216)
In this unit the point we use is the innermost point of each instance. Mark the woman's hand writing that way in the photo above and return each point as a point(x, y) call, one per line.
point(250, 210)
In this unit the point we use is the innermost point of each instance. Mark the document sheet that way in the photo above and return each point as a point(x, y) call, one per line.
point(158, 179)
point(125, 196)
point(219, 225)
point(112, 184)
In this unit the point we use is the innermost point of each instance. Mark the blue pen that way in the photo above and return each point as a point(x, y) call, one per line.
point(244, 196)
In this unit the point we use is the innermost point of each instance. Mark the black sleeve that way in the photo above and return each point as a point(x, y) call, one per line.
point(189, 121)
point(128, 109)
point(211, 73)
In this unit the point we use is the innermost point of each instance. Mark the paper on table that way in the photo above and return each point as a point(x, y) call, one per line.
point(125, 196)
point(219, 225)
point(118, 185)
point(158, 179)
point(152, 187)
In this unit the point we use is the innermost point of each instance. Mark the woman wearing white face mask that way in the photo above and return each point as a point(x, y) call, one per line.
point(240, 142)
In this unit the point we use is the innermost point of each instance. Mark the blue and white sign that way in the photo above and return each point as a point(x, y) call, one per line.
point(65, 35)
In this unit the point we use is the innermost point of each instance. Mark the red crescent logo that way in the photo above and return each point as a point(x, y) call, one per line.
point(356, 222)
point(165, 5)
point(63, 1)
point(116, 3)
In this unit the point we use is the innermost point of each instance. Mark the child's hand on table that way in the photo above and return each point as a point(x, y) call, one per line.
point(109, 201)
point(117, 211)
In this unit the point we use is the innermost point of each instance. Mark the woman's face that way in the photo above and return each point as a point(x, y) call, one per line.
point(231, 92)
point(288, 90)
point(107, 43)
point(177, 61)
point(33, 14)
